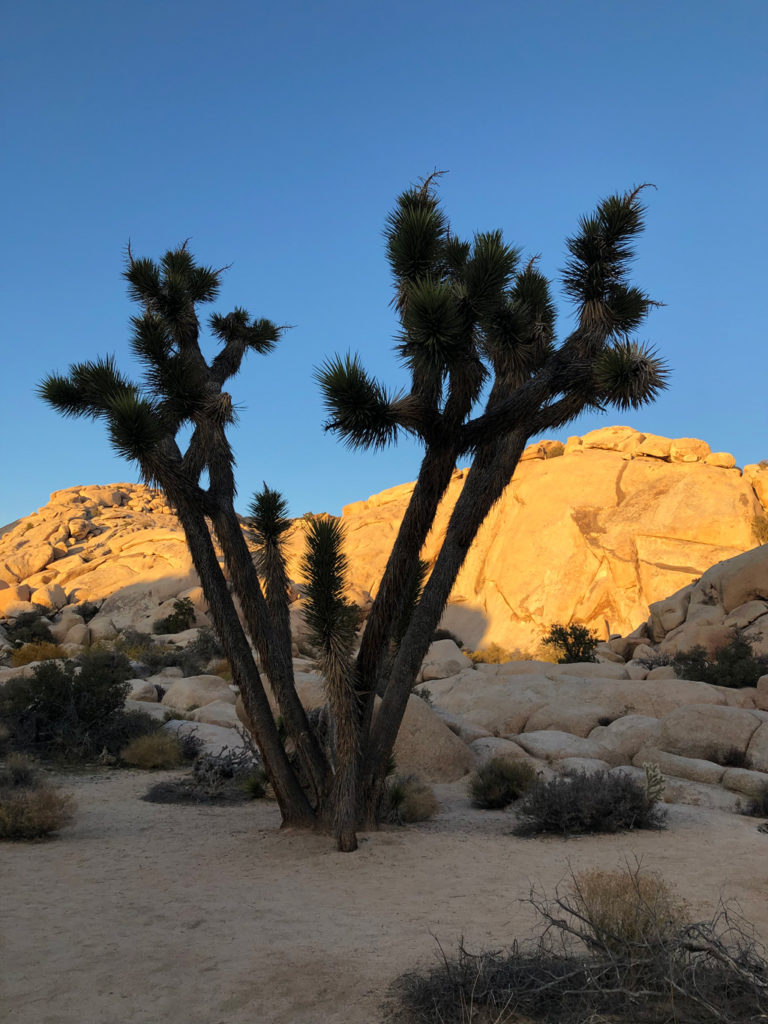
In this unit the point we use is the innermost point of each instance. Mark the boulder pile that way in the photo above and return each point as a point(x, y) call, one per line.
point(599, 531)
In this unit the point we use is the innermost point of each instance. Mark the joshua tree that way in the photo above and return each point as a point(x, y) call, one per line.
point(477, 327)
point(476, 323)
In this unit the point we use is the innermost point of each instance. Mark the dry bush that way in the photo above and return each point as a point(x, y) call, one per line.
point(493, 654)
point(499, 782)
point(34, 813)
point(626, 909)
point(155, 750)
point(626, 955)
point(221, 667)
point(408, 799)
point(233, 775)
point(18, 771)
point(38, 650)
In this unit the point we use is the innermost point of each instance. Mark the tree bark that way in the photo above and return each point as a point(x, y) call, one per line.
point(294, 806)
point(431, 485)
point(275, 656)
point(486, 480)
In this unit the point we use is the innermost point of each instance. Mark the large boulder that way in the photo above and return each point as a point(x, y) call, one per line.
point(218, 712)
point(425, 746)
point(197, 691)
point(707, 732)
point(573, 539)
point(443, 659)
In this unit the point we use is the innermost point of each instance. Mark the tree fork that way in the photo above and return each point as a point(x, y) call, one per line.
point(483, 487)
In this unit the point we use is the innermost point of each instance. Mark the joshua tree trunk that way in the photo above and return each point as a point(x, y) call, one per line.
point(275, 653)
point(294, 806)
point(431, 485)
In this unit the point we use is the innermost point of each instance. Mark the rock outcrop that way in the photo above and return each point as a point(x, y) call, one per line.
point(594, 531)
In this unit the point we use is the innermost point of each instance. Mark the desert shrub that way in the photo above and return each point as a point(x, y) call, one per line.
point(758, 806)
point(616, 947)
point(18, 771)
point(192, 659)
point(32, 813)
point(181, 618)
point(734, 664)
point(153, 750)
point(221, 667)
point(28, 628)
point(38, 650)
point(573, 642)
point(493, 654)
point(74, 709)
point(446, 634)
point(499, 782)
point(233, 775)
point(588, 802)
point(255, 785)
point(626, 910)
point(408, 799)
point(87, 610)
point(730, 757)
point(760, 528)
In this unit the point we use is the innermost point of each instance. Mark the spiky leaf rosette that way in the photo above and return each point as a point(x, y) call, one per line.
point(601, 253)
point(629, 375)
point(415, 234)
point(269, 516)
point(361, 412)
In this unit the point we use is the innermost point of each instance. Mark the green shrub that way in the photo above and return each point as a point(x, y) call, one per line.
point(38, 650)
point(28, 628)
point(87, 610)
point(33, 813)
point(181, 618)
point(499, 782)
point(408, 799)
point(588, 802)
point(153, 750)
point(734, 665)
point(758, 806)
point(446, 634)
point(255, 785)
point(573, 642)
point(74, 709)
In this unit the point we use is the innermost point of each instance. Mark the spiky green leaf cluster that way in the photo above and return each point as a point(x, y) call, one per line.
point(179, 386)
point(269, 516)
point(628, 375)
point(595, 275)
point(364, 415)
point(330, 618)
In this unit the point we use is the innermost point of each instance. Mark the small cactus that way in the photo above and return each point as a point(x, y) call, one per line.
point(654, 782)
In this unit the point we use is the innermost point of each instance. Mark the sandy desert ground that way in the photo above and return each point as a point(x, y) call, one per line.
point(142, 913)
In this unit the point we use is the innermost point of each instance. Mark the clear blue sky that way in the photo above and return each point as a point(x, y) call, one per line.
point(276, 137)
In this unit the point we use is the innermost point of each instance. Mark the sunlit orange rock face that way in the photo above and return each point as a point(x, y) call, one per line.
point(592, 531)
point(594, 535)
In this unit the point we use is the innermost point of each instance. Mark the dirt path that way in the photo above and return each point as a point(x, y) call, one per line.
point(145, 913)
